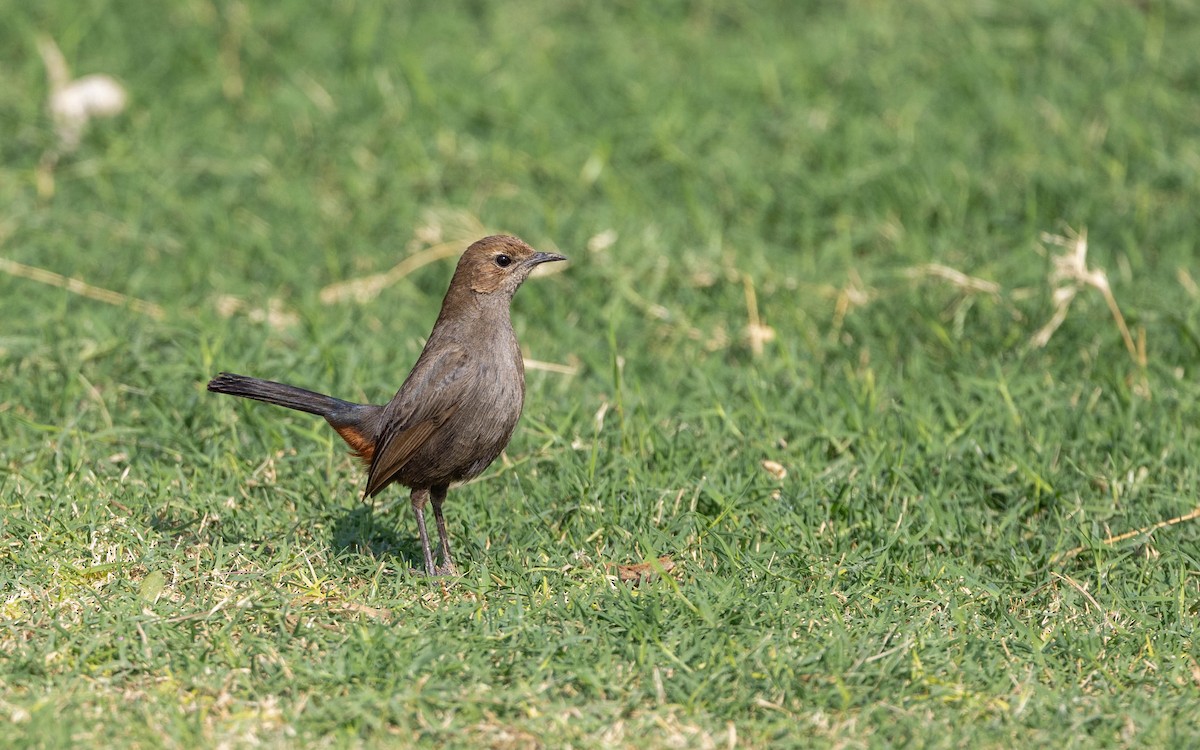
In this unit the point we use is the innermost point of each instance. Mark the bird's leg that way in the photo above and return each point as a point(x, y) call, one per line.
point(436, 498)
point(419, 498)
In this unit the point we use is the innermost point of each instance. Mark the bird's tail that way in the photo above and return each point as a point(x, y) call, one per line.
point(358, 424)
point(279, 394)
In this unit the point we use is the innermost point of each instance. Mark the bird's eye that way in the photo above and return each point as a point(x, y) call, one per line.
point(503, 261)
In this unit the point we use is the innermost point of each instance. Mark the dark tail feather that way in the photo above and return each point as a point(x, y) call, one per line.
point(279, 394)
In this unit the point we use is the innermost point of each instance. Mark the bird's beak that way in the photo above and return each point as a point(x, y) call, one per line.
point(540, 257)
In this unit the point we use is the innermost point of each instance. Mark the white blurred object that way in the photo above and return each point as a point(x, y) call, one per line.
point(74, 102)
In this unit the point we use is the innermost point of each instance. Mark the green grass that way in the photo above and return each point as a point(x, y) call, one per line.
point(935, 569)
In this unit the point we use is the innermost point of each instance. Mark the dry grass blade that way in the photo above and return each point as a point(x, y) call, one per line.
point(368, 288)
point(756, 331)
point(1069, 276)
point(533, 364)
point(443, 233)
point(954, 277)
point(82, 288)
point(1188, 283)
point(853, 295)
point(1117, 538)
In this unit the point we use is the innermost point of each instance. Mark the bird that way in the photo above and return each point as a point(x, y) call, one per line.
point(458, 407)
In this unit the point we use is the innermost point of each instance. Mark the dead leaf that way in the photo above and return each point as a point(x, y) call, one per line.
point(640, 572)
point(774, 468)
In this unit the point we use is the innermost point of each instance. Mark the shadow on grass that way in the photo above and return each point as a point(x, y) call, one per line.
point(362, 531)
point(368, 531)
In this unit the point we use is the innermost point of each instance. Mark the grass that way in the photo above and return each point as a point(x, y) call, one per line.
point(940, 554)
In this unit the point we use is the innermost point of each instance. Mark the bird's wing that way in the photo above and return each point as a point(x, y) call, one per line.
point(431, 395)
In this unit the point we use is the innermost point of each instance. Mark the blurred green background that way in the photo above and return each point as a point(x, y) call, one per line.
point(793, 355)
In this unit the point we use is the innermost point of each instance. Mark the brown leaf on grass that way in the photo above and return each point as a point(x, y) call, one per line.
point(641, 572)
point(330, 604)
point(374, 613)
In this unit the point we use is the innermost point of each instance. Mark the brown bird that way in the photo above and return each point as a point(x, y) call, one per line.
point(456, 410)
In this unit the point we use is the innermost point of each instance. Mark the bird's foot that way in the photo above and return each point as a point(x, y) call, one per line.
point(440, 571)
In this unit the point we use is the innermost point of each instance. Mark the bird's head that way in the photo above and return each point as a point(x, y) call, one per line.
point(498, 264)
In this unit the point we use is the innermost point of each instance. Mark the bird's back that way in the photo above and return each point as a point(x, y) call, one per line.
point(458, 408)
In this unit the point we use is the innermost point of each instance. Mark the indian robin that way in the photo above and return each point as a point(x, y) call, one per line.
point(456, 410)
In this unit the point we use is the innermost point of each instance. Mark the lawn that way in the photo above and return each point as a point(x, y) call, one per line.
point(864, 415)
